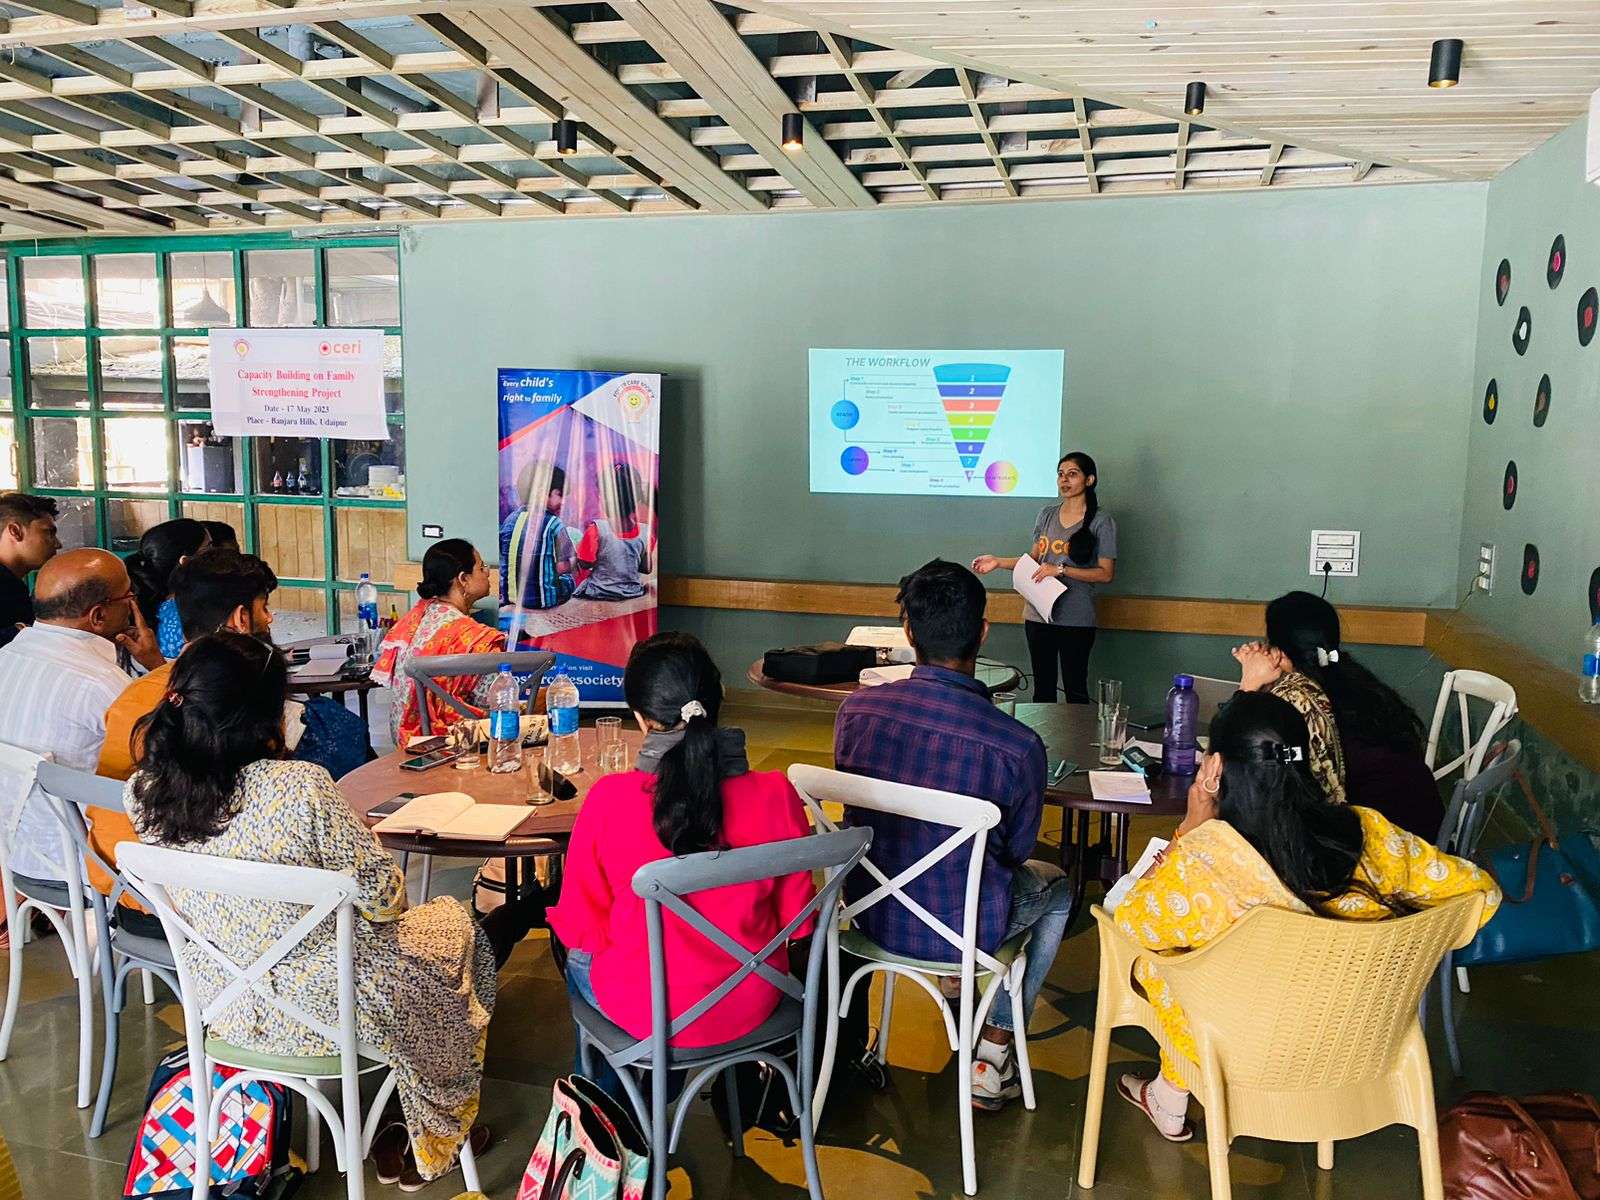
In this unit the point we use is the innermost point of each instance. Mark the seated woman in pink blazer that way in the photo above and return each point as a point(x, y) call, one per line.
point(690, 790)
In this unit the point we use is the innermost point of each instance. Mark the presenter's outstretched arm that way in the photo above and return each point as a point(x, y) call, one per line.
point(985, 563)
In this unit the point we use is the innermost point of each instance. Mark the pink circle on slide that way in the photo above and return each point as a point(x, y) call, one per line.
point(1001, 477)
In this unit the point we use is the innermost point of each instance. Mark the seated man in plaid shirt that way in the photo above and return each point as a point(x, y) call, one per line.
point(939, 729)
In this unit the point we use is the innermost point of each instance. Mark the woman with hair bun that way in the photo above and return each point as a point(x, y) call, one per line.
point(162, 550)
point(691, 789)
point(454, 579)
point(1074, 541)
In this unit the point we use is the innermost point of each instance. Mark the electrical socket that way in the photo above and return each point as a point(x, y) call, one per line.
point(1484, 580)
point(1338, 549)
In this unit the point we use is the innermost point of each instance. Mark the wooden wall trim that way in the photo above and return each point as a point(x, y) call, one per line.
point(1546, 695)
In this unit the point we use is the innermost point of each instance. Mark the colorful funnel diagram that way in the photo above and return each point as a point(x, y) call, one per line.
point(971, 393)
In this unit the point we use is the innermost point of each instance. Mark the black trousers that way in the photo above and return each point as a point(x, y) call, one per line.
point(1068, 645)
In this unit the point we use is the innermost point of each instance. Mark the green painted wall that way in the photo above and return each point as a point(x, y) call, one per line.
point(1244, 367)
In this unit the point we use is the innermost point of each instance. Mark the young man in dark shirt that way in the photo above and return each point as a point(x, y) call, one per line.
point(27, 541)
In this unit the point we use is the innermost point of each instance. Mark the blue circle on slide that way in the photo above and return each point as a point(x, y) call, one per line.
point(853, 460)
point(845, 414)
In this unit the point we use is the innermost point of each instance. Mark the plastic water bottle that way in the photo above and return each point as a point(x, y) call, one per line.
point(367, 614)
point(1589, 689)
point(505, 722)
point(561, 704)
point(1178, 747)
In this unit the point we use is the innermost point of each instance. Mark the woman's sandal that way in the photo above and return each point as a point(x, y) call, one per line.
point(391, 1151)
point(411, 1179)
point(1137, 1092)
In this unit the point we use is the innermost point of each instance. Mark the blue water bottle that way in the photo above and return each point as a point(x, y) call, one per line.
point(1178, 746)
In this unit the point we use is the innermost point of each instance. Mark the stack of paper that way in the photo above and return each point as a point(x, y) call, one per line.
point(873, 676)
point(1043, 594)
point(1119, 787)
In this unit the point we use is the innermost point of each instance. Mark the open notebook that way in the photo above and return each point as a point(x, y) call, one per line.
point(454, 815)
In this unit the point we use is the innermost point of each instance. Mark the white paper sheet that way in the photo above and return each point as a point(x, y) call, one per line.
point(1119, 787)
point(1042, 595)
point(873, 676)
point(1123, 886)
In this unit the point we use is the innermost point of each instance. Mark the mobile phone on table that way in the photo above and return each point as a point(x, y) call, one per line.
point(433, 758)
point(427, 744)
point(1137, 760)
point(392, 805)
point(557, 784)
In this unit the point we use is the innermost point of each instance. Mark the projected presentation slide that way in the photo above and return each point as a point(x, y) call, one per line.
point(936, 422)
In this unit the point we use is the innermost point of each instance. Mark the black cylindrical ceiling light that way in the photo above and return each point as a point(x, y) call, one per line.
point(566, 136)
point(1444, 68)
point(1194, 100)
point(794, 132)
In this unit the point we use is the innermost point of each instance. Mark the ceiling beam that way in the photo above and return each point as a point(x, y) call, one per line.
point(700, 44)
point(533, 47)
point(881, 123)
point(970, 91)
point(210, 15)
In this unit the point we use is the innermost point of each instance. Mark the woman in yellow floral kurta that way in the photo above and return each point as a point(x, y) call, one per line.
point(1259, 832)
point(210, 782)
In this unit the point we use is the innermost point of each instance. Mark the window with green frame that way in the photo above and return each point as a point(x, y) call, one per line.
point(107, 404)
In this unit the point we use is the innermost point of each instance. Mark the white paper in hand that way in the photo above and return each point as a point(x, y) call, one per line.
point(1043, 594)
point(1121, 888)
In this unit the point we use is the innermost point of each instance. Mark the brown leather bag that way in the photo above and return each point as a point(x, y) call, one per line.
point(1544, 1147)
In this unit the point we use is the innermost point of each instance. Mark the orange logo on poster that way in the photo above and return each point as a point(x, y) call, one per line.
point(634, 398)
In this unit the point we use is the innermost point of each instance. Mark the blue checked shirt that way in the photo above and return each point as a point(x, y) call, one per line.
point(938, 729)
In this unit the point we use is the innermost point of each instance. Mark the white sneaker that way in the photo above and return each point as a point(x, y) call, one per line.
point(995, 1085)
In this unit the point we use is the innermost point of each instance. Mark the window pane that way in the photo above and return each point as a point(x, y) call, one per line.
point(130, 372)
point(127, 521)
point(125, 291)
point(371, 540)
point(52, 292)
point(5, 301)
point(136, 454)
point(8, 454)
point(297, 613)
point(202, 289)
point(394, 391)
point(75, 522)
point(63, 455)
point(191, 372)
point(364, 286)
point(281, 287)
point(209, 463)
point(288, 466)
point(6, 393)
point(58, 372)
point(231, 514)
point(289, 537)
point(370, 468)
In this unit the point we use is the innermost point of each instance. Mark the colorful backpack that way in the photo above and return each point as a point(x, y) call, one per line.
point(249, 1151)
point(591, 1149)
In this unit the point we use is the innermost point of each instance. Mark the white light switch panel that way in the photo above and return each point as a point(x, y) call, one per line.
point(1484, 581)
point(1340, 549)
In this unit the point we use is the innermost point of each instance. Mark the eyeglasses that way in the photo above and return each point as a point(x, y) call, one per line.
point(128, 595)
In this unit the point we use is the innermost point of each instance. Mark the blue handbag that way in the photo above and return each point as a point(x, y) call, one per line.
point(1552, 897)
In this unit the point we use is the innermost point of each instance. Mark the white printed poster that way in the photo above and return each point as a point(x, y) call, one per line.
point(298, 383)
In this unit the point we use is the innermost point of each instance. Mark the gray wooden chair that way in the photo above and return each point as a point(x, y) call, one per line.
point(1464, 819)
point(666, 885)
point(427, 669)
point(120, 952)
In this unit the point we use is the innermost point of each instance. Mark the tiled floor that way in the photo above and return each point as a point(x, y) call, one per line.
point(1524, 1029)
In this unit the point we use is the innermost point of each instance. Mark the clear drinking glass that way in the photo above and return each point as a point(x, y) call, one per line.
point(538, 794)
point(463, 737)
point(1006, 702)
point(613, 757)
point(1113, 733)
point(1108, 692)
point(607, 730)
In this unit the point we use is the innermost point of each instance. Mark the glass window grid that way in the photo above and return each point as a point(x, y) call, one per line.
point(17, 403)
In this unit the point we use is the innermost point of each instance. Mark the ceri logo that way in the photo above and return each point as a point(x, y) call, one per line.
point(329, 348)
point(634, 398)
point(241, 347)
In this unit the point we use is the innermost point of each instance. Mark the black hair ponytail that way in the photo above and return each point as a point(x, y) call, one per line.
point(1306, 629)
point(150, 567)
point(1082, 545)
point(667, 675)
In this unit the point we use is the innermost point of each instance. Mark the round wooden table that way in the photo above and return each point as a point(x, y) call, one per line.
point(546, 830)
point(1069, 732)
point(996, 676)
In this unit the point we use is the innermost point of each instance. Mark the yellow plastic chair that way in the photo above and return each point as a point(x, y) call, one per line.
point(10, 1189)
point(1306, 1029)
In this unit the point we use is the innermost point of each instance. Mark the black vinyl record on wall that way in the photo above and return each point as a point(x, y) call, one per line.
point(1557, 262)
point(1491, 402)
point(1522, 331)
point(1502, 281)
point(1594, 595)
point(1530, 569)
point(1541, 402)
point(1588, 314)
point(1508, 489)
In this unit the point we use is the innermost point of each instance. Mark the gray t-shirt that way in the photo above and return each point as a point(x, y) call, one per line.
point(1076, 607)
